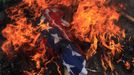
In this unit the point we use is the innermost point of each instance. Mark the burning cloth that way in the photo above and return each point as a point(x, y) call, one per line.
point(59, 42)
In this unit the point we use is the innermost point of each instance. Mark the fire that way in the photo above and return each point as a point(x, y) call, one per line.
point(94, 22)
point(127, 65)
point(23, 34)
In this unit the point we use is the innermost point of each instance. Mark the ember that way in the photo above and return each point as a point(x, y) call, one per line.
point(42, 30)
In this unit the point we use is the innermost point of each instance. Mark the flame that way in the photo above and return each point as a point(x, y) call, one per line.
point(94, 22)
point(24, 34)
point(127, 65)
point(20, 34)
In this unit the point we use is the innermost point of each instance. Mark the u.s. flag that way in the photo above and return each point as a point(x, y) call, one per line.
point(60, 43)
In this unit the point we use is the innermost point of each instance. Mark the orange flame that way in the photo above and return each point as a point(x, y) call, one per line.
point(94, 22)
point(23, 31)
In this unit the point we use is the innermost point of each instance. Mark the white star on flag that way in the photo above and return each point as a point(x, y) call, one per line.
point(68, 66)
point(56, 38)
point(83, 71)
point(75, 53)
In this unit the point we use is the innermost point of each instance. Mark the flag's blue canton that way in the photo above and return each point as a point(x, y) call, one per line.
point(72, 60)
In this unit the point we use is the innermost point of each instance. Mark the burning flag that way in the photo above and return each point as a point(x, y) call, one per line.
point(38, 29)
point(59, 42)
